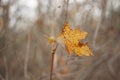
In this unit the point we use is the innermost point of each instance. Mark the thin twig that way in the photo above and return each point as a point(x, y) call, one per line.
point(52, 61)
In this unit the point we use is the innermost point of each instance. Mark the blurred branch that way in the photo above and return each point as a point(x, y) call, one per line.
point(27, 55)
point(101, 21)
point(6, 68)
point(113, 60)
point(87, 16)
point(96, 33)
point(66, 14)
point(1, 77)
point(110, 66)
point(88, 74)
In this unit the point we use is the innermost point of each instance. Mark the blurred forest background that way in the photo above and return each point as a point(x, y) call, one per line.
point(25, 52)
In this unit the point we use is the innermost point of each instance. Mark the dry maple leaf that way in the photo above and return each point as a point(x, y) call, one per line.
point(71, 38)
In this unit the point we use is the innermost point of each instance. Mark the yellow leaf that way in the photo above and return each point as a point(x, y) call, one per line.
point(51, 40)
point(71, 38)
